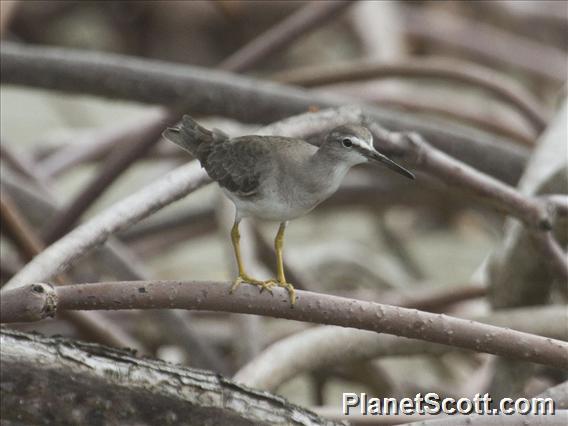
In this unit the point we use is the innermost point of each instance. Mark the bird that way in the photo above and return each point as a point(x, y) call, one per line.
point(276, 178)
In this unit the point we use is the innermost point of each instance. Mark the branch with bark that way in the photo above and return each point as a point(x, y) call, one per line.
point(322, 347)
point(442, 69)
point(118, 388)
point(219, 93)
point(306, 19)
point(310, 307)
point(410, 146)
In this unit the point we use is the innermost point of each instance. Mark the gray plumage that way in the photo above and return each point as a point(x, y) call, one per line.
point(274, 177)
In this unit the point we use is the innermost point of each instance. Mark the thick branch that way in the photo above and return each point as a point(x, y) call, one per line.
point(61, 254)
point(559, 393)
point(559, 418)
point(312, 307)
point(417, 151)
point(534, 212)
point(70, 382)
point(320, 347)
point(33, 303)
point(207, 91)
point(92, 324)
point(186, 179)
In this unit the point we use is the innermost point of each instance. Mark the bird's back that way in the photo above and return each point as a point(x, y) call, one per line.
point(239, 165)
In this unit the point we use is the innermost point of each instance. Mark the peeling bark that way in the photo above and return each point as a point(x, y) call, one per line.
point(60, 381)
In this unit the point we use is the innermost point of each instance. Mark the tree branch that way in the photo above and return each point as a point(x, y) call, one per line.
point(92, 324)
point(444, 69)
point(34, 303)
point(306, 19)
point(310, 307)
point(72, 381)
point(488, 42)
point(186, 179)
point(218, 93)
point(320, 347)
point(137, 143)
point(418, 152)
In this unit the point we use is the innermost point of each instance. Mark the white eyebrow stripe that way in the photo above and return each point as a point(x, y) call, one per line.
point(361, 143)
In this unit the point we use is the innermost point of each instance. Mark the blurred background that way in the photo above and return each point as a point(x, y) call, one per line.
point(379, 238)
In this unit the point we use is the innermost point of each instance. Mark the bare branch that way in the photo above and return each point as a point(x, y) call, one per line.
point(444, 69)
point(217, 93)
point(488, 42)
point(420, 153)
point(60, 255)
point(35, 302)
point(65, 375)
point(92, 324)
point(560, 417)
point(323, 346)
point(139, 142)
point(553, 254)
point(559, 394)
point(310, 17)
point(18, 228)
point(186, 179)
point(312, 307)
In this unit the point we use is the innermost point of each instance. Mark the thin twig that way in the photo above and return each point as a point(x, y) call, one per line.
point(532, 211)
point(438, 68)
point(309, 18)
point(310, 307)
point(61, 254)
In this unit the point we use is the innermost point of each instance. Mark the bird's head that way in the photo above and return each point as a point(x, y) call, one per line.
point(353, 145)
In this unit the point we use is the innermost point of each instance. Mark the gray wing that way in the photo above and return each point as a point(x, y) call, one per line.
point(238, 164)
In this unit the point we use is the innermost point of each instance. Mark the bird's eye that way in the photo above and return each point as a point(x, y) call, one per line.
point(347, 143)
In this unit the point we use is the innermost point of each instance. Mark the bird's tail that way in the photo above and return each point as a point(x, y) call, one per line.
point(191, 136)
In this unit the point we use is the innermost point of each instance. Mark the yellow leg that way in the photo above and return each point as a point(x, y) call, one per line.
point(243, 277)
point(279, 246)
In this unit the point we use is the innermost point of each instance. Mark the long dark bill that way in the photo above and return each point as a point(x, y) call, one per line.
point(377, 156)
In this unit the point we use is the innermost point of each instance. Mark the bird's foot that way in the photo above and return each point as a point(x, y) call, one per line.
point(263, 285)
point(291, 291)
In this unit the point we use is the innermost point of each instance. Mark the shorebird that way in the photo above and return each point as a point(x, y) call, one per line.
point(276, 178)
